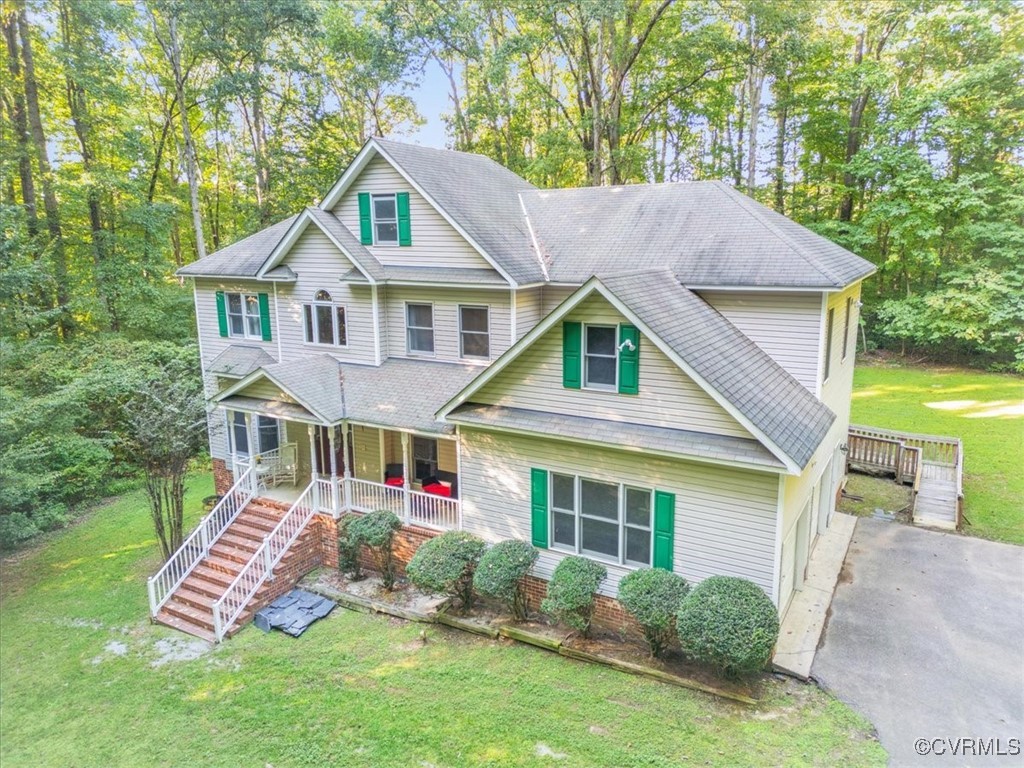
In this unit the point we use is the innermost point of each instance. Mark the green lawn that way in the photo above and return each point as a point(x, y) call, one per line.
point(986, 410)
point(87, 681)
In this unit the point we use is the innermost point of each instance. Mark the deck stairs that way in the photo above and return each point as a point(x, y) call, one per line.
point(190, 607)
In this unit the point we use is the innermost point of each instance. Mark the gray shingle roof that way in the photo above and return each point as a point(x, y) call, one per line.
point(243, 258)
point(239, 361)
point(399, 393)
point(733, 365)
point(706, 233)
point(445, 275)
point(481, 196)
point(622, 435)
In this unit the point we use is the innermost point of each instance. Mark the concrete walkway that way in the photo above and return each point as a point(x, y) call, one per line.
point(805, 619)
point(926, 640)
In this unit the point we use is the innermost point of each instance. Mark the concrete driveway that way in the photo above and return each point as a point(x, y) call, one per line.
point(926, 640)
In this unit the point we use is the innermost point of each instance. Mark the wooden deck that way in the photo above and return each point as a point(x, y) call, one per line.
point(932, 464)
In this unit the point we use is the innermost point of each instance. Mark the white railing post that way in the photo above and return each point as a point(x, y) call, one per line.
point(347, 489)
point(151, 588)
point(218, 628)
point(204, 534)
point(335, 497)
point(268, 558)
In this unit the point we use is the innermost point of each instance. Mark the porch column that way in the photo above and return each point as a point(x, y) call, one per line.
point(312, 450)
point(335, 495)
point(254, 478)
point(230, 415)
point(406, 471)
point(345, 460)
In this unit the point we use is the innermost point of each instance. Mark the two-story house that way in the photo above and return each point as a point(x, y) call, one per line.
point(649, 375)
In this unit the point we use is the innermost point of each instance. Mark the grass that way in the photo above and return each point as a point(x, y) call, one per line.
point(986, 410)
point(877, 493)
point(87, 681)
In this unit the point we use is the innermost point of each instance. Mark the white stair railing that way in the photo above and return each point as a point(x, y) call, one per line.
point(260, 567)
point(197, 546)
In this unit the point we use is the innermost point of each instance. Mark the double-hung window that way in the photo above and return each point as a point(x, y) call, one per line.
point(424, 454)
point(611, 521)
point(600, 358)
point(385, 220)
point(243, 312)
point(474, 332)
point(324, 321)
point(267, 438)
point(419, 324)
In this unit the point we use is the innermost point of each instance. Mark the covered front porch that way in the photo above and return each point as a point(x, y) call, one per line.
point(354, 467)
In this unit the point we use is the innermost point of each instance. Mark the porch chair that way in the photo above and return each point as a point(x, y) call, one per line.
point(286, 467)
point(394, 475)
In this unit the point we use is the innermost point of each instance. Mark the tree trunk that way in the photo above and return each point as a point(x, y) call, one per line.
point(65, 324)
point(20, 123)
point(781, 115)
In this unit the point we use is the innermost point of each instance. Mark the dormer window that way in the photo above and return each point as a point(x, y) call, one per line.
point(600, 364)
point(385, 220)
point(324, 321)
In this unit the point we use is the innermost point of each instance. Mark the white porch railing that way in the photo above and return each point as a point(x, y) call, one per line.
point(261, 565)
point(272, 466)
point(162, 585)
point(413, 507)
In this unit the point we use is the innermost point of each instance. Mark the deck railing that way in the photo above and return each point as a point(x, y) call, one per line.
point(197, 546)
point(260, 567)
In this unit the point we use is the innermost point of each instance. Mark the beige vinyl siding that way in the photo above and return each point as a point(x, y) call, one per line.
point(724, 521)
point(555, 295)
point(435, 243)
point(667, 398)
point(318, 264)
point(786, 326)
point(366, 453)
point(529, 310)
point(446, 304)
point(447, 456)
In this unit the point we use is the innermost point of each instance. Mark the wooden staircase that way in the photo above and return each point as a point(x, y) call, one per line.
point(190, 607)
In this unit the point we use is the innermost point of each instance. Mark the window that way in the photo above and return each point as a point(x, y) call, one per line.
point(608, 520)
point(324, 321)
point(474, 333)
point(419, 324)
point(385, 220)
point(829, 324)
point(243, 310)
point(424, 455)
point(268, 435)
point(600, 357)
point(846, 329)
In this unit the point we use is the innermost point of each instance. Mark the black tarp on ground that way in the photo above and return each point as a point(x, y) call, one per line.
point(293, 613)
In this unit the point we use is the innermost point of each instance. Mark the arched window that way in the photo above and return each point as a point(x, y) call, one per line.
point(324, 321)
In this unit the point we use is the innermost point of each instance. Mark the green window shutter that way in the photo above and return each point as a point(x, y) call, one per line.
point(404, 224)
point(572, 362)
point(265, 316)
point(539, 507)
point(629, 360)
point(222, 314)
point(664, 528)
point(365, 223)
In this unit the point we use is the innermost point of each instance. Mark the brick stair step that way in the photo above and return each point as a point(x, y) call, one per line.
point(223, 564)
point(239, 542)
point(213, 576)
point(188, 613)
point(247, 530)
point(204, 586)
point(184, 594)
point(182, 625)
point(226, 551)
point(269, 513)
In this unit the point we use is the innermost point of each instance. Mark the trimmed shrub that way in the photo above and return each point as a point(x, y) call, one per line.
point(500, 571)
point(377, 531)
point(348, 552)
point(729, 624)
point(653, 596)
point(571, 592)
point(445, 565)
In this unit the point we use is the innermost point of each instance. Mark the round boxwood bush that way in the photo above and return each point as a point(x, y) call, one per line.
point(571, 592)
point(500, 572)
point(377, 530)
point(729, 624)
point(653, 596)
point(445, 564)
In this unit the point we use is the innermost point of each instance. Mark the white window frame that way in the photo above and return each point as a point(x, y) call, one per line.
point(417, 458)
point(614, 387)
point(373, 218)
point(312, 330)
point(246, 314)
point(233, 443)
point(578, 516)
point(408, 328)
point(462, 346)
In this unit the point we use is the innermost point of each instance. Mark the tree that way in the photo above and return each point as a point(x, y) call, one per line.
point(166, 421)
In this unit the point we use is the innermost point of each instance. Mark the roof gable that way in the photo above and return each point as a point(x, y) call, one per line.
point(327, 223)
point(738, 375)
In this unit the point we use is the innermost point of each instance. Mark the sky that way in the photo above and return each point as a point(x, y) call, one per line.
point(431, 97)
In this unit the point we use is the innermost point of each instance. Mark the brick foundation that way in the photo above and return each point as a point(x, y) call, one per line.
point(223, 479)
point(608, 612)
